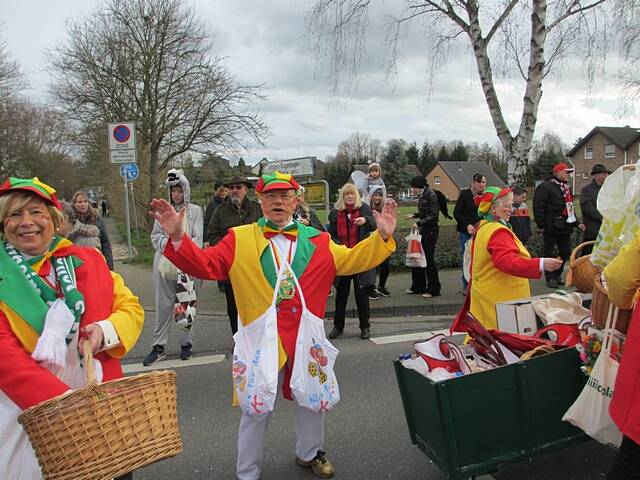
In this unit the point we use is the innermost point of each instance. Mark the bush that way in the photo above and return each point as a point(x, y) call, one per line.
point(448, 253)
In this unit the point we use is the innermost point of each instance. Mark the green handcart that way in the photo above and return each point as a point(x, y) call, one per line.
point(473, 424)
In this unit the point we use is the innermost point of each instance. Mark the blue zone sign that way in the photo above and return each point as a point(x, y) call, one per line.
point(129, 171)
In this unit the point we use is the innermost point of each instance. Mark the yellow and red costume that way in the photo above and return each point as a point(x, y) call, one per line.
point(243, 256)
point(500, 270)
point(22, 379)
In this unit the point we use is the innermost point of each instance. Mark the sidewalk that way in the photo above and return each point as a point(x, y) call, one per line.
point(211, 301)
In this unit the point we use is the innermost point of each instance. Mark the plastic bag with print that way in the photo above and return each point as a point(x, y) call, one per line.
point(313, 380)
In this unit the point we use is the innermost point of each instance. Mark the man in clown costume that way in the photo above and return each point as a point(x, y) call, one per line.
point(250, 256)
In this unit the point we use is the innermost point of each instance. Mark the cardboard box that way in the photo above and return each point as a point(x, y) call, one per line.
point(518, 316)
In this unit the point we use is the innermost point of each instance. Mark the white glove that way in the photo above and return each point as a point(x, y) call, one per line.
point(52, 346)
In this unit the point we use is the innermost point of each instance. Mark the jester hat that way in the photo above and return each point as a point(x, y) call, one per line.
point(32, 185)
point(276, 181)
point(488, 198)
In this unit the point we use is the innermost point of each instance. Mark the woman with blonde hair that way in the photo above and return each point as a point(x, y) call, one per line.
point(350, 222)
point(53, 293)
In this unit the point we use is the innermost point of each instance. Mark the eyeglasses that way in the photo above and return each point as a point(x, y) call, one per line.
point(236, 187)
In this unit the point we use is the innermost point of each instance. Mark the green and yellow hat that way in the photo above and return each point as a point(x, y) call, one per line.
point(276, 181)
point(488, 198)
point(33, 185)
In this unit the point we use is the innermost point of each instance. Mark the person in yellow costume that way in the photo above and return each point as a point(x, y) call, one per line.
point(501, 266)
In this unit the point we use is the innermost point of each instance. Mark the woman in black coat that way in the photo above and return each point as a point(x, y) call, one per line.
point(350, 222)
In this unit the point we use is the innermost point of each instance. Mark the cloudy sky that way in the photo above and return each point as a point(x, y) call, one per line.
point(265, 42)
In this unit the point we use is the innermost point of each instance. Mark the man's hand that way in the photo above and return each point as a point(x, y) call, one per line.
point(471, 230)
point(387, 219)
point(172, 222)
point(360, 221)
point(304, 221)
point(581, 227)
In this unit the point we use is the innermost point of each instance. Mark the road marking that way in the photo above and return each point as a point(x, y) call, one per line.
point(408, 337)
point(171, 364)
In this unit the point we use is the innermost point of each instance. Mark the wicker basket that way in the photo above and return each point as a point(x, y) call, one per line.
point(105, 431)
point(582, 272)
point(600, 309)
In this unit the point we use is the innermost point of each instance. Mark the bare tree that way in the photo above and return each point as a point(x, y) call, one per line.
point(627, 12)
point(361, 149)
point(149, 61)
point(11, 79)
point(524, 37)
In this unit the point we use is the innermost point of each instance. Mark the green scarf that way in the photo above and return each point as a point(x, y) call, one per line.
point(29, 295)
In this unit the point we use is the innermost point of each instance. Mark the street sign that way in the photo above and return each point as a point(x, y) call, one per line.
point(122, 142)
point(294, 166)
point(129, 171)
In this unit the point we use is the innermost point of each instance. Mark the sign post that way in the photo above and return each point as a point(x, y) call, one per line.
point(122, 149)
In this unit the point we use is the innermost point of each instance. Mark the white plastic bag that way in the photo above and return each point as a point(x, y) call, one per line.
point(590, 412)
point(618, 201)
point(415, 256)
point(466, 260)
point(313, 380)
point(255, 361)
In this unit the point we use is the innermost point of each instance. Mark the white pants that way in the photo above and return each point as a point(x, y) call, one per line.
point(309, 435)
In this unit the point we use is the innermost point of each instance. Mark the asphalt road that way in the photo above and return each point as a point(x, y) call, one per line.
point(366, 435)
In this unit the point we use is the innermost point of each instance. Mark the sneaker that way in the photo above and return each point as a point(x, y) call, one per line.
point(186, 352)
point(427, 295)
point(157, 354)
point(319, 465)
point(384, 292)
point(335, 333)
point(365, 334)
point(373, 295)
point(410, 292)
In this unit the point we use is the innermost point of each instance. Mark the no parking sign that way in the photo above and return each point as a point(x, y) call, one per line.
point(122, 142)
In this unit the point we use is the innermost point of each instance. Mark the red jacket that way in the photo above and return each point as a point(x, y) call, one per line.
point(27, 383)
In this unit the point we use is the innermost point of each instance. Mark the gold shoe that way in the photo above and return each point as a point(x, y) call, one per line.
point(319, 465)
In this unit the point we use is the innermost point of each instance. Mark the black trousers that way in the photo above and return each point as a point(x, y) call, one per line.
point(626, 464)
point(343, 286)
point(383, 270)
point(232, 310)
point(426, 280)
point(563, 242)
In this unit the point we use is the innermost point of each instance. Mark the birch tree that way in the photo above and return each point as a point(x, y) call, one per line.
point(527, 37)
point(150, 61)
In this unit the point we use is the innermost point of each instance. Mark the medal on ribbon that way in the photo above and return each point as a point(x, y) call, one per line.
point(287, 288)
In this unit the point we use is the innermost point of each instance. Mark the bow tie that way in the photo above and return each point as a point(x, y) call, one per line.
point(290, 231)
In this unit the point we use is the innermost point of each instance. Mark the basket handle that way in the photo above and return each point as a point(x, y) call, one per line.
point(88, 361)
point(578, 248)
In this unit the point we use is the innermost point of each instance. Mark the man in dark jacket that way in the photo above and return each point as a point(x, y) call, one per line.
point(221, 195)
point(235, 211)
point(466, 214)
point(520, 220)
point(555, 217)
point(426, 280)
point(589, 205)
